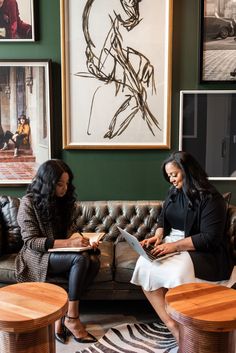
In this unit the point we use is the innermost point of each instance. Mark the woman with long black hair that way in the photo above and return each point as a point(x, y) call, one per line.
point(46, 218)
point(192, 223)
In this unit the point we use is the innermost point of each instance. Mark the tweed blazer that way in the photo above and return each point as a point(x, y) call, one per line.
point(32, 261)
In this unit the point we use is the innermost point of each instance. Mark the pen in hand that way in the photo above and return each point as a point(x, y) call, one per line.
point(92, 245)
point(84, 238)
point(80, 233)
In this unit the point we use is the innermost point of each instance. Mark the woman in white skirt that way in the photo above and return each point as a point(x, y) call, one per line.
point(192, 223)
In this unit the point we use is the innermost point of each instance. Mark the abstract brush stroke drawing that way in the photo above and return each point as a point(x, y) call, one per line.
point(112, 62)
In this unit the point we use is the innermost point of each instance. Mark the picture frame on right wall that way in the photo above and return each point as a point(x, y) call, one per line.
point(207, 130)
point(218, 41)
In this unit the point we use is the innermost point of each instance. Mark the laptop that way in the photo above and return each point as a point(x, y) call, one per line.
point(145, 252)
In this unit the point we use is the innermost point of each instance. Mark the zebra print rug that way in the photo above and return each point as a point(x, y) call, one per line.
point(135, 338)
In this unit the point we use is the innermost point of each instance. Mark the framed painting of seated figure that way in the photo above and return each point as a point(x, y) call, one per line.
point(25, 115)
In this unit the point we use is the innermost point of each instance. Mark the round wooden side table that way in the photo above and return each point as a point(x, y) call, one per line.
point(28, 312)
point(207, 317)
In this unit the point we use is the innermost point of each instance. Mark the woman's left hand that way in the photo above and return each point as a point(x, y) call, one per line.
point(95, 245)
point(164, 248)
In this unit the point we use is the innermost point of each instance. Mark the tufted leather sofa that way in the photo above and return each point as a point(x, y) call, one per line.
point(117, 258)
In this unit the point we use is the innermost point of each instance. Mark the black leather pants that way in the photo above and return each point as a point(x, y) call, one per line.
point(79, 268)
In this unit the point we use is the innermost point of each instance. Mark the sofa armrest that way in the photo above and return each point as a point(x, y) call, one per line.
point(231, 230)
point(10, 230)
point(1, 236)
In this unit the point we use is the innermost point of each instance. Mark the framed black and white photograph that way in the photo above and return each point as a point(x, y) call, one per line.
point(218, 41)
point(116, 73)
point(17, 21)
point(25, 115)
point(207, 130)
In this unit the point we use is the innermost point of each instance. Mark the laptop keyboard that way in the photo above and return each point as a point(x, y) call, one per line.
point(150, 255)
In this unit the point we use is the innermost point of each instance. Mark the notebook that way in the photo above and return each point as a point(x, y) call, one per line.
point(145, 252)
point(93, 237)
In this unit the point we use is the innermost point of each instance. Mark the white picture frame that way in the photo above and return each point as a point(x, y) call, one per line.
point(25, 89)
point(116, 74)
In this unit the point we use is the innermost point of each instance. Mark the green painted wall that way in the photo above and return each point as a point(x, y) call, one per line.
point(117, 174)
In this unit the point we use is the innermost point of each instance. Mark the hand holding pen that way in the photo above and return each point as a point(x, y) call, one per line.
point(78, 240)
point(95, 245)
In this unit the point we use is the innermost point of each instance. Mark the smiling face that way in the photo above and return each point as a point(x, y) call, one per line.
point(62, 185)
point(175, 175)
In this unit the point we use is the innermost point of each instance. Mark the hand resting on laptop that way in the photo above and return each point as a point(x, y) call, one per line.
point(143, 250)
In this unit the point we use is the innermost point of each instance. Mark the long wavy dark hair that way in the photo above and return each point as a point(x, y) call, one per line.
point(195, 182)
point(57, 210)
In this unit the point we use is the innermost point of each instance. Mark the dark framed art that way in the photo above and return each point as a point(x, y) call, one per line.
point(25, 115)
point(17, 21)
point(116, 73)
point(218, 44)
point(207, 130)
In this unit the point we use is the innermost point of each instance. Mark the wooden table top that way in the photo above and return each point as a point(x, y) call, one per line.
point(206, 306)
point(31, 305)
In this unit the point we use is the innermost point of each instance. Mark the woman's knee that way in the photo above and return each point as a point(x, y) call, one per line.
point(81, 260)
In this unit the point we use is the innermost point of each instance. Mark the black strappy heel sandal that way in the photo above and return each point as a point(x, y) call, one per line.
point(61, 336)
point(87, 339)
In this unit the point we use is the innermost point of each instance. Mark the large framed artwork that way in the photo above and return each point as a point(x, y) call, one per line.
point(208, 130)
point(116, 73)
point(218, 45)
point(25, 114)
point(17, 21)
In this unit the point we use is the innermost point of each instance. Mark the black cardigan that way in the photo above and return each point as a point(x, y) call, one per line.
point(205, 223)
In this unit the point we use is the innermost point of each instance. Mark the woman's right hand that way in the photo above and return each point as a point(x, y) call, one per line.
point(156, 239)
point(76, 240)
point(147, 242)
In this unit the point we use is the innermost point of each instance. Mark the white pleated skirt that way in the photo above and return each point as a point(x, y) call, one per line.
point(168, 273)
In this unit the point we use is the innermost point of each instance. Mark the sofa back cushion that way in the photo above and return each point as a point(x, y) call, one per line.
point(11, 240)
point(137, 217)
